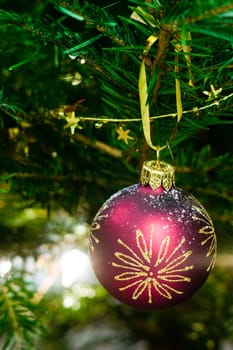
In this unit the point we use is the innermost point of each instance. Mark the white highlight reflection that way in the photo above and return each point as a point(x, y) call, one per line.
point(5, 267)
point(74, 267)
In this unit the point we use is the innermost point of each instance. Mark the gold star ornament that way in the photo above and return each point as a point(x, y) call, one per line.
point(123, 135)
point(72, 122)
point(212, 94)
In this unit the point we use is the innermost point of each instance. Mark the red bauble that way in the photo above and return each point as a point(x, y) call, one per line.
point(152, 248)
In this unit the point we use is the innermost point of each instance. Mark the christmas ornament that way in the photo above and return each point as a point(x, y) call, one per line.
point(152, 245)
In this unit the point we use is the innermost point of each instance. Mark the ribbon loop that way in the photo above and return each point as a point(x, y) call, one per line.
point(144, 106)
point(143, 98)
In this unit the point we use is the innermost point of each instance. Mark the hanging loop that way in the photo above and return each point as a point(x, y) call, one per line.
point(143, 98)
point(144, 106)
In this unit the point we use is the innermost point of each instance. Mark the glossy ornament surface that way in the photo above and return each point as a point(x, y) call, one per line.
point(152, 248)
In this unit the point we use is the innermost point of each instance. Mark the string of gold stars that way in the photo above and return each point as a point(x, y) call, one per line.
point(75, 120)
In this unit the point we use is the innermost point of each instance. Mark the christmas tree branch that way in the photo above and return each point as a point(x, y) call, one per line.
point(78, 14)
point(164, 39)
point(216, 11)
point(18, 324)
point(12, 318)
point(101, 146)
point(100, 181)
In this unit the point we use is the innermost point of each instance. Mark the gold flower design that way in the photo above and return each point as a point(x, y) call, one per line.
point(210, 236)
point(149, 271)
point(95, 227)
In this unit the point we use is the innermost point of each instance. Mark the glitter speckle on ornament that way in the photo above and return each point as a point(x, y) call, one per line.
point(150, 247)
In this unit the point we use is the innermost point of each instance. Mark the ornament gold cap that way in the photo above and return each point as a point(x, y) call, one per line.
point(156, 174)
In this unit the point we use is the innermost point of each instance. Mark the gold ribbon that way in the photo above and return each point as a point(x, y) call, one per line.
point(143, 98)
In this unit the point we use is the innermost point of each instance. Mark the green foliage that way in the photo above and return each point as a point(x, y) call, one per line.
point(19, 325)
